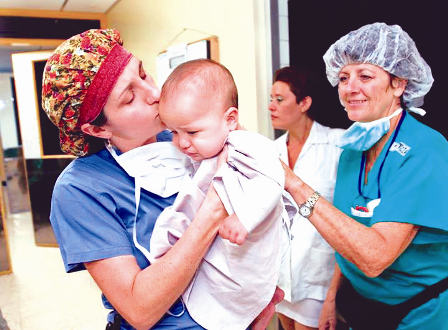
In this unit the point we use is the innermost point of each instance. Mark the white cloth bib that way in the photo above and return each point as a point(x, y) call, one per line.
point(158, 168)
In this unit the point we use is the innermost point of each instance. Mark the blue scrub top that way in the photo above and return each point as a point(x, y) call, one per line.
point(410, 176)
point(92, 215)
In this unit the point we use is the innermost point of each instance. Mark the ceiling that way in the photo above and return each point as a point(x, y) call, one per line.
point(90, 6)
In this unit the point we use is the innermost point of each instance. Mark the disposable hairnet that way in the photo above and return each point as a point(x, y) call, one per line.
point(388, 47)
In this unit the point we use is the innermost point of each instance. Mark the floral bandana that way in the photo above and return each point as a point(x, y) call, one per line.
point(77, 81)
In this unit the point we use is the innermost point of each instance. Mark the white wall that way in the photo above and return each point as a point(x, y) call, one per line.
point(23, 68)
point(8, 128)
point(283, 32)
point(243, 29)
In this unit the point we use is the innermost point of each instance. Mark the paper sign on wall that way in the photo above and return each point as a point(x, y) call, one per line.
point(177, 54)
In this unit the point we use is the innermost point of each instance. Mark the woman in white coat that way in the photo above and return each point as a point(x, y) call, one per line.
point(308, 148)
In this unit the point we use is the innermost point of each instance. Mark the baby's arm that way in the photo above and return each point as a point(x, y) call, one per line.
point(233, 230)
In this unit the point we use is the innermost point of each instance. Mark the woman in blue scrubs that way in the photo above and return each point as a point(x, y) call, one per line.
point(106, 202)
point(389, 223)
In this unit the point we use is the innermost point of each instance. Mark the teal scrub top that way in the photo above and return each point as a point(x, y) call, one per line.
point(410, 177)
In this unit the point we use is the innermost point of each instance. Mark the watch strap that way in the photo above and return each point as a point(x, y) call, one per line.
point(313, 199)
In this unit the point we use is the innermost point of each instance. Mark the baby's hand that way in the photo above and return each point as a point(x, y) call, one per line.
point(233, 230)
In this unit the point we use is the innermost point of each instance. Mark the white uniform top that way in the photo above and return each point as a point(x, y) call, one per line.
point(234, 283)
point(312, 258)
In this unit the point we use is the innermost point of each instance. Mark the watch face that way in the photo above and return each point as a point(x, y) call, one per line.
point(304, 210)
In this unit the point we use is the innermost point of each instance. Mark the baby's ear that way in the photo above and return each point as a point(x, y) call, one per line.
point(231, 116)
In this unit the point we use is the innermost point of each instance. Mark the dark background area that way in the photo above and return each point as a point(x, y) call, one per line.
point(315, 25)
point(49, 132)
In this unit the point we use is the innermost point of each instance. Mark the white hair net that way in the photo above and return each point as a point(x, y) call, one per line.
point(388, 47)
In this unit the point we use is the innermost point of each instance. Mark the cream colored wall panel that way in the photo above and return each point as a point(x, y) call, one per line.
point(263, 66)
point(148, 27)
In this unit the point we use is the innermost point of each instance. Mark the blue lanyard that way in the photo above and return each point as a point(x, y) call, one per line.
point(363, 159)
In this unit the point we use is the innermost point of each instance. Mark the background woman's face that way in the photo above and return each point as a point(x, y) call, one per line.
point(285, 112)
point(366, 92)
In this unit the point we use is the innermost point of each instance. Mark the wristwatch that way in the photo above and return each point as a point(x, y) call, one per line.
point(306, 209)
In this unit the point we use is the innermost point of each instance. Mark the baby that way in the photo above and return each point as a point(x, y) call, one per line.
point(235, 282)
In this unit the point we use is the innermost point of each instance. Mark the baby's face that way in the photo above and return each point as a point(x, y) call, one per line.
point(199, 126)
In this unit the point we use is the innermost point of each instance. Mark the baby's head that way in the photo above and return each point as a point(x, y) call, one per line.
point(199, 104)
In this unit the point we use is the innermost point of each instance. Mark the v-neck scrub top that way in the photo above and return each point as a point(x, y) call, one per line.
point(92, 215)
point(411, 183)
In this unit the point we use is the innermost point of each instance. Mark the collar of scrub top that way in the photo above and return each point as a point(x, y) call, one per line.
point(158, 168)
point(363, 159)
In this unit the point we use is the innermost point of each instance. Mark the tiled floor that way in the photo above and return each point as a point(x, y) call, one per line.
point(39, 295)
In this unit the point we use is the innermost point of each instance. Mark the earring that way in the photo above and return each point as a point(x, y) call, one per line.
point(109, 144)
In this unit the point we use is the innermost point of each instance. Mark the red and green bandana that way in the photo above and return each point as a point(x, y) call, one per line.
point(77, 82)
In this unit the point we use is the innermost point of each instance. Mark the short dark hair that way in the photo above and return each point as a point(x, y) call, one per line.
point(300, 80)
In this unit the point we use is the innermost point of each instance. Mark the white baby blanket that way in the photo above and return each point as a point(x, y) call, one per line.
point(233, 283)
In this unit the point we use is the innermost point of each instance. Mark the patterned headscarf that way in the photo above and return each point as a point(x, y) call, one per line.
point(77, 82)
